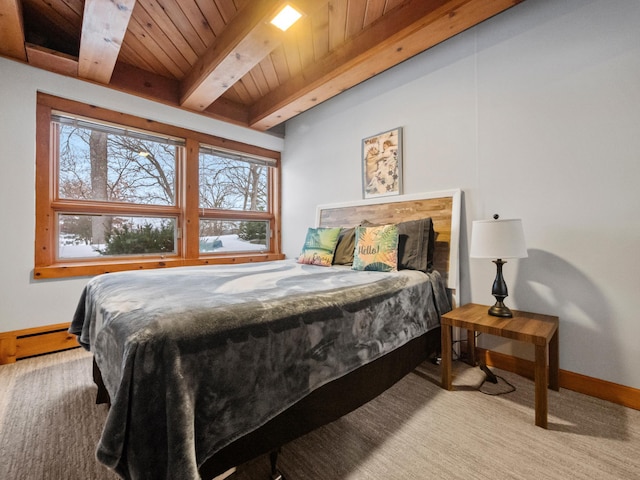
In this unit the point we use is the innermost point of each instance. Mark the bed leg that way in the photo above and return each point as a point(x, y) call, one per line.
point(275, 473)
point(102, 396)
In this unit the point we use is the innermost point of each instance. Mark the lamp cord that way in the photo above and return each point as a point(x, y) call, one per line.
point(512, 387)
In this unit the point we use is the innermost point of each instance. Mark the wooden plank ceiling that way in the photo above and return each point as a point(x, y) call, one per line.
point(222, 58)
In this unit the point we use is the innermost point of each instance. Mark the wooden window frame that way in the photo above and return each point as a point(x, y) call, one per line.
point(186, 209)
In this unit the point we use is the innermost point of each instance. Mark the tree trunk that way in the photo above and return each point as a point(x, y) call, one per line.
point(255, 182)
point(98, 153)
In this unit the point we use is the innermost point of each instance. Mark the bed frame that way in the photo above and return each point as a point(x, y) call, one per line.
point(341, 396)
point(347, 393)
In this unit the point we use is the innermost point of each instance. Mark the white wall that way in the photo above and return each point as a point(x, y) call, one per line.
point(25, 302)
point(535, 114)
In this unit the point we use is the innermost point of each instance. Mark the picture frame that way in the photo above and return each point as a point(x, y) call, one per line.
point(382, 164)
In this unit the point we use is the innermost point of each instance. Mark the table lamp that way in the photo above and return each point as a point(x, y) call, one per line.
point(498, 239)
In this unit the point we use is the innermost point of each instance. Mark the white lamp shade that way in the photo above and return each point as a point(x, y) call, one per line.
point(498, 239)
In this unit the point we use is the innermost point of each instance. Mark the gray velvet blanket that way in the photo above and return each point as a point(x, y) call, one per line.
point(195, 357)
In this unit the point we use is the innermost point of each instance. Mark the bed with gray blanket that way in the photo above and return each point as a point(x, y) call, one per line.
point(205, 365)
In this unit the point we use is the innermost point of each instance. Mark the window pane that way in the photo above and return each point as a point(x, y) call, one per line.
point(218, 236)
point(231, 183)
point(84, 236)
point(95, 164)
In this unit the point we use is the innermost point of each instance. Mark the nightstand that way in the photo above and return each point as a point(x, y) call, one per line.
point(540, 330)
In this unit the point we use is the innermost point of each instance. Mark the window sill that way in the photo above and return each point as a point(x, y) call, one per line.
point(64, 270)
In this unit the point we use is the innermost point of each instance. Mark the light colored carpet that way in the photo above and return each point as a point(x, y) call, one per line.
point(49, 422)
point(50, 425)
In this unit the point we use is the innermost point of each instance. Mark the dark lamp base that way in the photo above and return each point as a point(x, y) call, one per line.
point(500, 310)
point(499, 291)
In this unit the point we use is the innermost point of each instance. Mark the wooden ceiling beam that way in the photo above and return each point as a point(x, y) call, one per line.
point(243, 44)
point(246, 40)
point(142, 83)
point(409, 29)
point(12, 30)
point(104, 25)
point(47, 59)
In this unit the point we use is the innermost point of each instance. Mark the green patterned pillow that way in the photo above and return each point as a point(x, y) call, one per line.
point(376, 248)
point(319, 246)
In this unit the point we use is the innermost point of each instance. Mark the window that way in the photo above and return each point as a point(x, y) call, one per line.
point(118, 192)
point(233, 183)
point(110, 165)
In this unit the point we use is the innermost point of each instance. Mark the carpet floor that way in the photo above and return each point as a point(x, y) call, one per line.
point(50, 425)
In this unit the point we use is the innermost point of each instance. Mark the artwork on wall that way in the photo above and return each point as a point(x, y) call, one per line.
point(382, 164)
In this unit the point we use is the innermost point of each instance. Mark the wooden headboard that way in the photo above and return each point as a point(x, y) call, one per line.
point(443, 208)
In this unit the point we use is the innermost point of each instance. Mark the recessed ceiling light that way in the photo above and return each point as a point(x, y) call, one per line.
point(286, 17)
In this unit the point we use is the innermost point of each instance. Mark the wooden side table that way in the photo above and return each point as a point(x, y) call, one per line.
point(540, 330)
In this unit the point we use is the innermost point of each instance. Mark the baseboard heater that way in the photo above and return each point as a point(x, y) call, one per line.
point(31, 342)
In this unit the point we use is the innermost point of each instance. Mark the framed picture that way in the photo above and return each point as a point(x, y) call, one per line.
point(382, 164)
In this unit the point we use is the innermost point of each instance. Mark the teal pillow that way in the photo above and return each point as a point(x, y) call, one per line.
point(376, 248)
point(319, 246)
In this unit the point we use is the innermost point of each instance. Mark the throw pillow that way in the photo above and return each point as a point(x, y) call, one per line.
point(376, 248)
point(345, 247)
point(319, 246)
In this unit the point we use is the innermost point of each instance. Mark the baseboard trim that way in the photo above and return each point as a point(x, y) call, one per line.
point(594, 387)
point(19, 344)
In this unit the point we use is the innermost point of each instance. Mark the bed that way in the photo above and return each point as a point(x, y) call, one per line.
point(208, 367)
